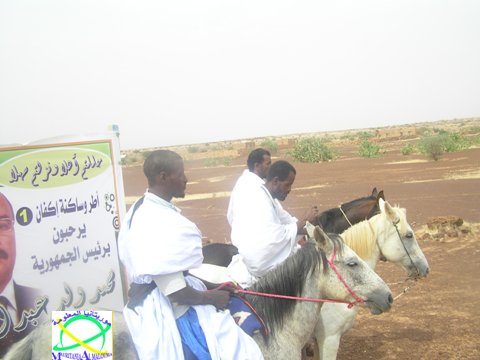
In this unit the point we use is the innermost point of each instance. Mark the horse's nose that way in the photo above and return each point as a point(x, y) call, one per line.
point(390, 299)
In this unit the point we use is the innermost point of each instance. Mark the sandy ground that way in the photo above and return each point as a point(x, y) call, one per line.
point(439, 317)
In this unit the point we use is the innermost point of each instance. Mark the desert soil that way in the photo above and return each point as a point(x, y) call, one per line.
point(439, 317)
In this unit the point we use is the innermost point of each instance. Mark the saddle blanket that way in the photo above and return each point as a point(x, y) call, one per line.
point(246, 317)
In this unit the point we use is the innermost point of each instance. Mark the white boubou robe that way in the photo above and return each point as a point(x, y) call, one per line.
point(247, 183)
point(160, 241)
point(263, 232)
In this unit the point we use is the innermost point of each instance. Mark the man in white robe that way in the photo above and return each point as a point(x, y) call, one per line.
point(258, 162)
point(158, 246)
point(263, 232)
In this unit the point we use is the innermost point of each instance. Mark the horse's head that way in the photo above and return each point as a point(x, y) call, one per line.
point(398, 243)
point(346, 271)
point(353, 212)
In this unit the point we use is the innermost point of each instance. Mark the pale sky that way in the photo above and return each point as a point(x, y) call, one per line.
point(180, 72)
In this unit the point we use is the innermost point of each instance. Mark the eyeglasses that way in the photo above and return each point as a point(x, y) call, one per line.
point(6, 225)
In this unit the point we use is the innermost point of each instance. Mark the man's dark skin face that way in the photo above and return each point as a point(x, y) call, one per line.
point(8, 251)
point(171, 185)
point(262, 169)
point(280, 189)
point(176, 182)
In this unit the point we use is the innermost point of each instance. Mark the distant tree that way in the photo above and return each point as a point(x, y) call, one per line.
point(432, 147)
point(368, 149)
point(312, 150)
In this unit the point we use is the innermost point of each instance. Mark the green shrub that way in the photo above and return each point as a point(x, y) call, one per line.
point(422, 131)
point(431, 146)
point(193, 149)
point(226, 161)
point(408, 149)
point(211, 161)
point(363, 135)
point(455, 142)
point(136, 151)
point(312, 151)
point(133, 160)
point(188, 160)
point(123, 161)
point(369, 150)
point(270, 145)
point(475, 128)
point(203, 150)
point(476, 141)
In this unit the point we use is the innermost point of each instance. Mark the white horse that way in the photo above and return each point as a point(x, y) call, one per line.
point(308, 274)
point(386, 236)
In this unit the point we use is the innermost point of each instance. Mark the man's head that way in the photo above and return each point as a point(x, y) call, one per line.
point(280, 178)
point(8, 250)
point(259, 162)
point(165, 173)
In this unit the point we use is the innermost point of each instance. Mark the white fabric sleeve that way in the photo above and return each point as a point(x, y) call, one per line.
point(170, 283)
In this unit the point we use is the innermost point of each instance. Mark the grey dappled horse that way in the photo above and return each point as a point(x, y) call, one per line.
point(306, 274)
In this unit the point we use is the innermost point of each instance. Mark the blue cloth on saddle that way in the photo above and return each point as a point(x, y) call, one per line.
point(245, 316)
point(193, 338)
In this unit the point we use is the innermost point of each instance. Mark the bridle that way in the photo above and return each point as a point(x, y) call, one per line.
point(415, 276)
point(330, 262)
point(340, 207)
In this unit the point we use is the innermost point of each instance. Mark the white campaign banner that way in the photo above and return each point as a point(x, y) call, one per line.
point(66, 198)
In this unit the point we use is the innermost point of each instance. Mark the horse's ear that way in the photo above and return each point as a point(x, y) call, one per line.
point(310, 229)
point(381, 204)
point(319, 235)
point(380, 196)
point(322, 240)
point(374, 192)
point(392, 215)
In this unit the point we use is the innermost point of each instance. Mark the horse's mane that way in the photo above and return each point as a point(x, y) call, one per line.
point(362, 240)
point(288, 278)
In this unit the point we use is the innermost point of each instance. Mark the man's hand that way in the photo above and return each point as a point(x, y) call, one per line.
point(220, 299)
point(311, 214)
point(190, 296)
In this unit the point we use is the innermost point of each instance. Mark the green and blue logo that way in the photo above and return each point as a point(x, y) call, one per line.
point(84, 335)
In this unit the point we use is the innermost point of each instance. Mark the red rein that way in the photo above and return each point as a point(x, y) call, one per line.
point(350, 304)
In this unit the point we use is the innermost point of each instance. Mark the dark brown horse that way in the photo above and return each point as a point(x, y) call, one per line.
point(339, 219)
point(331, 221)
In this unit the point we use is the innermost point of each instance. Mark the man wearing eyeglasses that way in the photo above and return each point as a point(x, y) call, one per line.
point(14, 298)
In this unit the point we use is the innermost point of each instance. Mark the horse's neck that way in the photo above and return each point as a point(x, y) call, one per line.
point(287, 342)
point(377, 222)
point(364, 241)
point(360, 212)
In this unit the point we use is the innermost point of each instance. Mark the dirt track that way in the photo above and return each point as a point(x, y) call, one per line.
point(439, 318)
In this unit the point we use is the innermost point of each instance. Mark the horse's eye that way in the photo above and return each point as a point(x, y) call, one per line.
point(352, 263)
point(409, 235)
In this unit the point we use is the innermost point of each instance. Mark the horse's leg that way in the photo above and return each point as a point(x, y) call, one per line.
point(316, 351)
point(330, 347)
point(334, 321)
point(304, 353)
